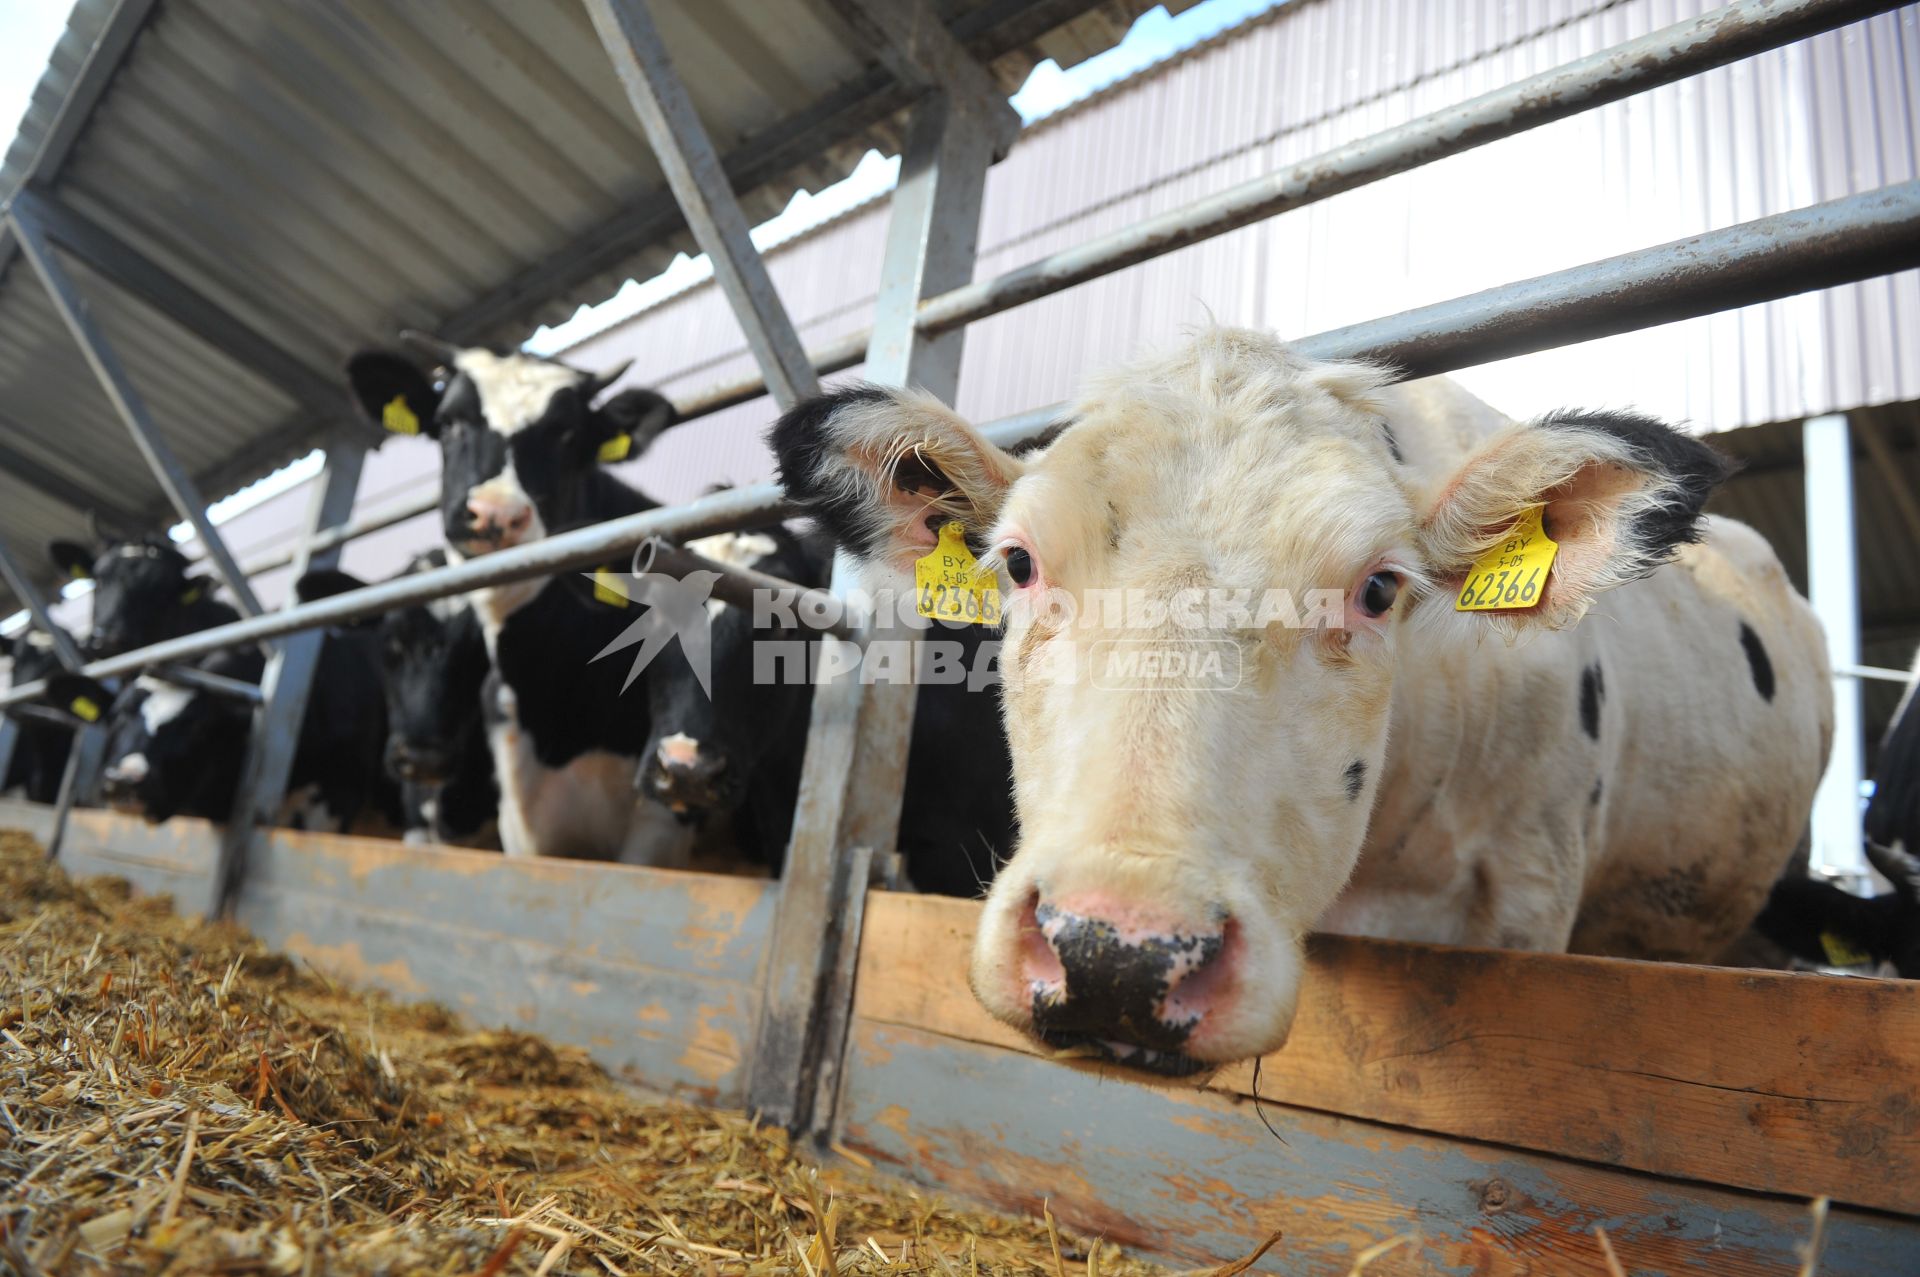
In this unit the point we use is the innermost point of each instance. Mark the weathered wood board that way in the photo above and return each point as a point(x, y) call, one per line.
point(1794, 1084)
point(657, 973)
point(1195, 1176)
point(175, 859)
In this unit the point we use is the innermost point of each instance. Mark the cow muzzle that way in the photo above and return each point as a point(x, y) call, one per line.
point(1121, 984)
point(685, 776)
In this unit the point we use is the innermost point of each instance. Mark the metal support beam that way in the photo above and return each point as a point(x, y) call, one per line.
point(284, 690)
point(916, 46)
point(179, 486)
point(1833, 589)
point(77, 782)
point(134, 271)
point(855, 767)
point(693, 171)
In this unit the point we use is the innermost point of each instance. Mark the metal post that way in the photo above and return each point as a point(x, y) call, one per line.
point(9, 742)
point(1833, 589)
point(284, 688)
point(700, 185)
point(857, 743)
point(179, 486)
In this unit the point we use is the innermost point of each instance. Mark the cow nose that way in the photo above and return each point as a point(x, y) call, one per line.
point(683, 774)
point(1118, 979)
point(496, 517)
point(421, 764)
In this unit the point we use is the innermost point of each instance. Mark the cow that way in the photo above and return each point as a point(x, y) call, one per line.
point(523, 441)
point(175, 751)
point(144, 592)
point(1344, 749)
point(40, 748)
point(732, 750)
point(1818, 922)
point(433, 666)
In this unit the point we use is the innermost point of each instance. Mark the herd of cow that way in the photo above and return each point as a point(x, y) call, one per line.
point(1622, 760)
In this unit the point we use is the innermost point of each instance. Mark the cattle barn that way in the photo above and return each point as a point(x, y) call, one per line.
point(220, 220)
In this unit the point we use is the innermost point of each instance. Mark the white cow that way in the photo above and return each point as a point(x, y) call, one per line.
point(1622, 767)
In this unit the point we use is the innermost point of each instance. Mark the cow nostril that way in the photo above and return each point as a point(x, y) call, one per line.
point(1040, 967)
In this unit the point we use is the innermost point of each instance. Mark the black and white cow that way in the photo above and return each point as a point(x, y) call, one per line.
point(40, 749)
point(1818, 922)
point(522, 444)
point(433, 665)
point(144, 591)
point(733, 749)
point(178, 751)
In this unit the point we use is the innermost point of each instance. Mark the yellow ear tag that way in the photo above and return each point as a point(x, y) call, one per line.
point(1512, 576)
point(947, 587)
point(79, 573)
point(1841, 953)
point(191, 597)
point(398, 418)
point(615, 449)
point(606, 588)
point(86, 709)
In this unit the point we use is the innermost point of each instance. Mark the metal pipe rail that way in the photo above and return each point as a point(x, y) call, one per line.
point(199, 680)
point(736, 585)
point(1856, 237)
point(1673, 53)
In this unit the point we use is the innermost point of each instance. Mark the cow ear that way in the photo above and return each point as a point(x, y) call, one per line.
point(74, 559)
point(393, 393)
point(884, 470)
point(626, 425)
point(1618, 494)
point(86, 700)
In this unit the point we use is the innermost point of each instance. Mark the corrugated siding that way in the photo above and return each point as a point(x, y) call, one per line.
point(1793, 127)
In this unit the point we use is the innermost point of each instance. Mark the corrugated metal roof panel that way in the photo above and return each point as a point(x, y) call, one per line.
point(330, 173)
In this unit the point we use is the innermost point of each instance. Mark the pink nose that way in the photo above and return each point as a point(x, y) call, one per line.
point(493, 516)
point(1132, 982)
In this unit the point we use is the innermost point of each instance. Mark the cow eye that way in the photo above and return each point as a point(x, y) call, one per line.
point(1379, 592)
point(1019, 564)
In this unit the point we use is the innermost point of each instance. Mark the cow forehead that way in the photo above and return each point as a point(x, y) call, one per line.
point(1233, 495)
point(514, 389)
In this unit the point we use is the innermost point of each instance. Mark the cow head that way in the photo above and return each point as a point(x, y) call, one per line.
point(433, 661)
point(141, 590)
point(1185, 823)
point(518, 435)
point(707, 742)
point(32, 655)
point(170, 750)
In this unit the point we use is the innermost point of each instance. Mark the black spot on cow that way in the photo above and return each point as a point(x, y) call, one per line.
point(1689, 467)
point(807, 452)
point(1593, 799)
point(1758, 661)
point(1593, 691)
point(1356, 775)
point(1393, 443)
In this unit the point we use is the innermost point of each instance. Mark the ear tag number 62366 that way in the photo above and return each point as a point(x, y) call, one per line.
point(1512, 576)
point(948, 586)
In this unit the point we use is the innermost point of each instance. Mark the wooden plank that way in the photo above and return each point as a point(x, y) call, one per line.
point(1796, 1084)
point(1195, 1176)
point(32, 818)
point(175, 859)
point(657, 973)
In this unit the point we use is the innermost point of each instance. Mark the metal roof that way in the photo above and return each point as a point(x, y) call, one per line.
point(329, 173)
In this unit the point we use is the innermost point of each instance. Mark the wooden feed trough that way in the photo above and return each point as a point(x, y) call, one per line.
point(1497, 1108)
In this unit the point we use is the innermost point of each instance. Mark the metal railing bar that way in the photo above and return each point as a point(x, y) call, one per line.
point(1661, 57)
point(1856, 237)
